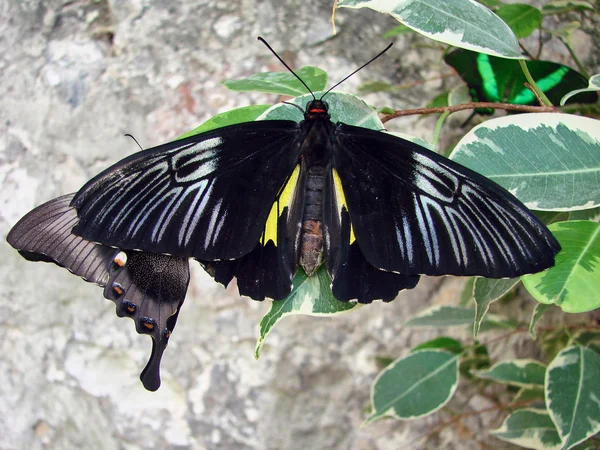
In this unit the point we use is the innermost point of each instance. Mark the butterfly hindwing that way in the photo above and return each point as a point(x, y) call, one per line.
point(147, 287)
point(415, 212)
point(206, 196)
point(267, 271)
point(44, 234)
point(352, 277)
point(150, 289)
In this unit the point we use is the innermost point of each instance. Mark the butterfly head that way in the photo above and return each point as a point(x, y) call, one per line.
point(317, 109)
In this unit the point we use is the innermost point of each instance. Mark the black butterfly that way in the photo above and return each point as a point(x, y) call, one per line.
point(257, 200)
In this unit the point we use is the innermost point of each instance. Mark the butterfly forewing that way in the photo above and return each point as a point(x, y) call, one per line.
point(206, 196)
point(416, 212)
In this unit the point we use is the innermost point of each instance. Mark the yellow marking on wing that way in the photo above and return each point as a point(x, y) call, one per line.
point(341, 200)
point(284, 199)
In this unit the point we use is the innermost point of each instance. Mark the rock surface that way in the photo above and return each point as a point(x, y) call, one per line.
point(74, 78)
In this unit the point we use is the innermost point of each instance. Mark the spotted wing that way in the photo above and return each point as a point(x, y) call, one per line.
point(207, 196)
point(415, 212)
point(147, 287)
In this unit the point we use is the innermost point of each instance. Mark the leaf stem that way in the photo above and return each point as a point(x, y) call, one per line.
point(471, 105)
point(579, 64)
point(533, 84)
point(438, 127)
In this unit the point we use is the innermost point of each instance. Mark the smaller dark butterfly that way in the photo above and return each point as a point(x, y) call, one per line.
point(493, 79)
point(260, 200)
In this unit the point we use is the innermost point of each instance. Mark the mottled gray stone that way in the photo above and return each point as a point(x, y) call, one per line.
point(76, 76)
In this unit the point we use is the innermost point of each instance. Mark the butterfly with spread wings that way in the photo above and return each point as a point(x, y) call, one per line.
point(258, 200)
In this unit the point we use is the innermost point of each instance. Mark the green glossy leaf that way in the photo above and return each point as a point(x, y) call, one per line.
point(549, 217)
point(563, 6)
point(574, 282)
point(587, 338)
point(397, 31)
point(461, 23)
point(442, 316)
point(529, 428)
point(467, 292)
point(281, 83)
point(549, 161)
point(487, 291)
point(343, 107)
point(573, 394)
point(527, 373)
point(522, 19)
point(235, 116)
point(443, 343)
point(439, 101)
point(538, 312)
point(415, 385)
point(531, 394)
point(369, 87)
point(594, 85)
point(310, 296)
point(585, 214)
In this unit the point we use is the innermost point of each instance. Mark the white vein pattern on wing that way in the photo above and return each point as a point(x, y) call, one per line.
point(453, 215)
point(517, 222)
point(400, 239)
point(424, 179)
point(424, 229)
point(409, 238)
point(125, 185)
point(464, 214)
point(132, 207)
point(119, 184)
point(427, 204)
point(430, 205)
point(158, 230)
point(212, 222)
point(484, 221)
point(205, 153)
point(188, 226)
point(145, 212)
point(170, 212)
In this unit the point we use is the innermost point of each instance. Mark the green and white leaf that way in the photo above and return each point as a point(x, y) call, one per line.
point(538, 312)
point(527, 373)
point(443, 343)
point(549, 161)
point(456, 316)
point(522, 19)
point(343, 107)
point(415, 139)
point(529, 428)
point(593, 85)
point(487, 291)
point(573, 394)
point(415, 385)
point(461, 23)
point(281, 83)
point(574, 281)
point(235, 116)
point(310, 296)
point(535, 395)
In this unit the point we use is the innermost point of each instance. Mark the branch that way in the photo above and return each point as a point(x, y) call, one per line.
point(472, 105)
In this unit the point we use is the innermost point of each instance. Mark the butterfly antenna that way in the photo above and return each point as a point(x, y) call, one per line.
point(286, 66)
point(361, 67)
point(134, 140)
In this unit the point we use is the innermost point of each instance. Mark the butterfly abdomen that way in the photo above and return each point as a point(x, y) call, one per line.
point(311, 253)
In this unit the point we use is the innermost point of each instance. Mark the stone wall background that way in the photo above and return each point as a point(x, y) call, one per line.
point(74, 78)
